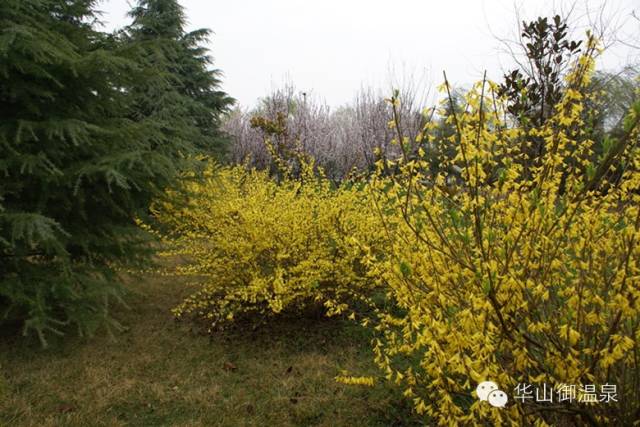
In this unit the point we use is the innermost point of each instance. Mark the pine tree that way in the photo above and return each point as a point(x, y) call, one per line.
point(79, 163)
point(442, 149)
point(181, 72)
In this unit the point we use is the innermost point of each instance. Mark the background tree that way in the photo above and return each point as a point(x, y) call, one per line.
point(534, 88)
point(615, 93)
point(341, 140)
point(442, 138)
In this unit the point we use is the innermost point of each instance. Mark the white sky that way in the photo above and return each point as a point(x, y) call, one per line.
point(330, 48)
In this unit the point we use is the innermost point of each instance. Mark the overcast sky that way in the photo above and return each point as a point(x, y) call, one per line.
point(330, 48)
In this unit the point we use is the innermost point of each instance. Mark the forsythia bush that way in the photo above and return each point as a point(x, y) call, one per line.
point(526, 272)
point(508, 264)
point(263, 247)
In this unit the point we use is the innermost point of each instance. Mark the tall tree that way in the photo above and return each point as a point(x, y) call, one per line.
point(181, 72)
point(78, 161)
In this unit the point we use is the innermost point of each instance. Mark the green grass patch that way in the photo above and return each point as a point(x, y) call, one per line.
point(160, 372)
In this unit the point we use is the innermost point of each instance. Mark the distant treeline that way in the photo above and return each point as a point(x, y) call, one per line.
point(346, 139)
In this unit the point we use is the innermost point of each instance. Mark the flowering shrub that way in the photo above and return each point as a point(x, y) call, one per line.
point(263, 247)
point(518, 271)
point(504, 264)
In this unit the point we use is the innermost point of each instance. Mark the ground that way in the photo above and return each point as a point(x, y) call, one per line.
point(160, 372)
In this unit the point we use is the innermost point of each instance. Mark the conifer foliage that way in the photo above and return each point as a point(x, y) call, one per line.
point(81, 159)
point(180, 86)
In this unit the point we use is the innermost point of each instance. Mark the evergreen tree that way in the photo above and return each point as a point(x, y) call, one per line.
point(443, 138)
point(79, 162)
point(532, 91)
point(180, 72)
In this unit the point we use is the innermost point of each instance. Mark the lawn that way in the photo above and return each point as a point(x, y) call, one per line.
point(161, 372)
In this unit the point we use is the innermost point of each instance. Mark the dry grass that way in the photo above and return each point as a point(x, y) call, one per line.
point(163, 373)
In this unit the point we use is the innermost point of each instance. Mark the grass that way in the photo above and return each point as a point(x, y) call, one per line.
point(165, 373)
